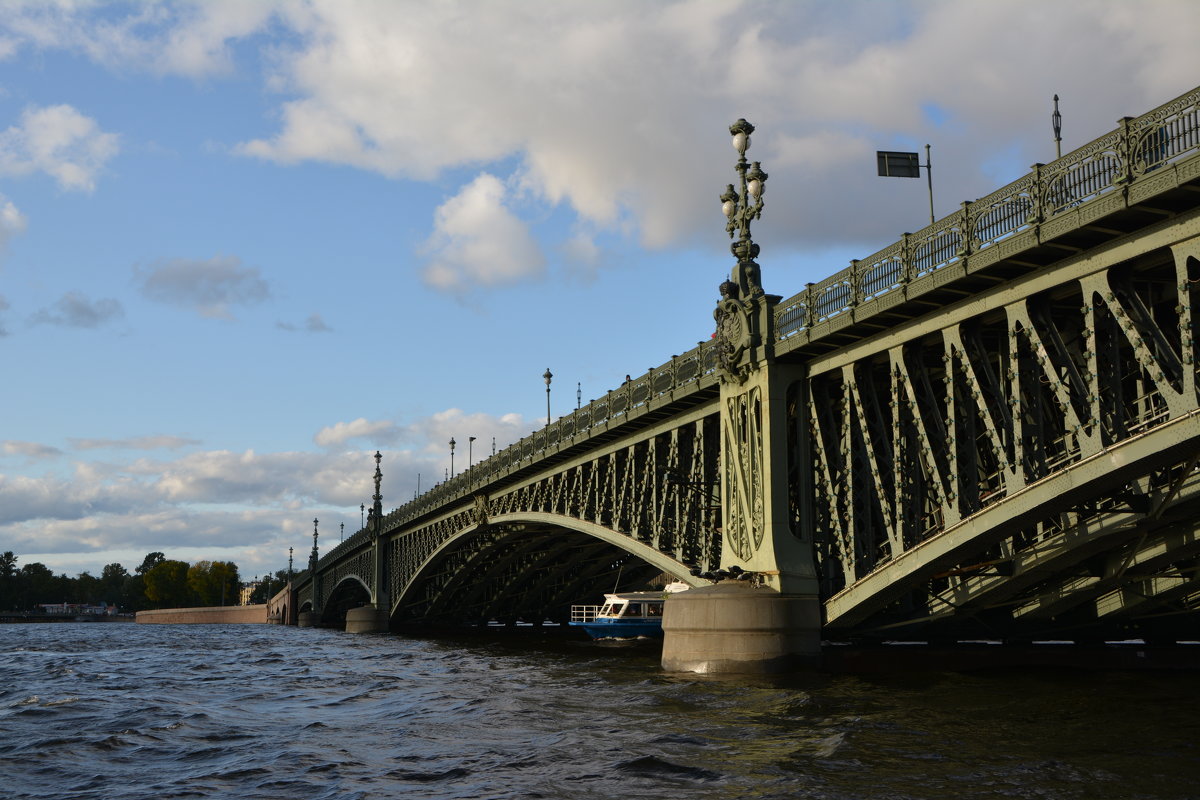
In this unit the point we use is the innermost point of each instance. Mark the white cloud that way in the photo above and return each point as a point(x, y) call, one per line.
point(29, 449)
point(184, 38)
point(208, 287)
point(616, 111)
point(161, 442)
point(59, 141)
point(12, 221)
point(381, 431)
point(73, 310)
point(478, 241)
point(312, 324)
point(254, 503)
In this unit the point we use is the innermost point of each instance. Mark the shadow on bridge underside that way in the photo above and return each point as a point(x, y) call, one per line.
point(528, 572)
point(1105, 549)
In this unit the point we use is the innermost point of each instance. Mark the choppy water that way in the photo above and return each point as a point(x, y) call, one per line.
point(119, 711)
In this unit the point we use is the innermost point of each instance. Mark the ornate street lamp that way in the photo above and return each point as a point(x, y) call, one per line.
point(343, 531)
point(547, 378)
point(578, 395)
point(312, 558)
point(470, 452)
point(1056, 121)
point(740, 208)
point(452, 443)
point(362, 514)
point(289, 565)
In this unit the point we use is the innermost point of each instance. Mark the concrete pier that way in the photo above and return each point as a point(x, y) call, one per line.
point(366, 619)
point(733, 627)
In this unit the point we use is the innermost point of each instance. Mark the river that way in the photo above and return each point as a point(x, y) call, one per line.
point(123, 711)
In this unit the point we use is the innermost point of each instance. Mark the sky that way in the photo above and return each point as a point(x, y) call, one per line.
point(243, 245)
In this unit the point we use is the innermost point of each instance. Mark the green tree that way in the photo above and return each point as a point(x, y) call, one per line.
point(8, 580)
point(151, 561)
point(112, 584)
point(85, 588)
point(167, 584)
point(214, 583)
point(36, 584)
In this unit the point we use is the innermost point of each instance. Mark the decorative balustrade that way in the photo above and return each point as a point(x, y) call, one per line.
point(676, 378)
point(1135, 150)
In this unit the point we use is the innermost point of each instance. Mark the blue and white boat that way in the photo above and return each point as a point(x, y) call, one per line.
point(625, 615)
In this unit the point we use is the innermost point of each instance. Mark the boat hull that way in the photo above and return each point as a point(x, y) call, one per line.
point(621, 629)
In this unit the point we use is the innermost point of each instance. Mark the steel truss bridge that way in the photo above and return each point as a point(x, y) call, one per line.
point(989, 429)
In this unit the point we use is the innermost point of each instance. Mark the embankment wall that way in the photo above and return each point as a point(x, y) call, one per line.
point(217, 615)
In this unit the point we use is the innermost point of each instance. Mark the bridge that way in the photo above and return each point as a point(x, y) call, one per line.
point(988, 429)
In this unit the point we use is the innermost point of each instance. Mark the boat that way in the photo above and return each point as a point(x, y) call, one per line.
point(625, 615)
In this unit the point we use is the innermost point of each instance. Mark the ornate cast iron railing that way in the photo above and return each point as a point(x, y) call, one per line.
point(1136, 149)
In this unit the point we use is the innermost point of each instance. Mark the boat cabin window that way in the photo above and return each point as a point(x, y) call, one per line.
point(606, 610)
point(633, 610)
point(654, 609)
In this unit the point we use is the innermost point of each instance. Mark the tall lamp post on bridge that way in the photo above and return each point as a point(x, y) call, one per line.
point(470, 451)
point(362, 514)
point(289, 565)
point(1056, 122)
point(452, 443)
point(547, 378)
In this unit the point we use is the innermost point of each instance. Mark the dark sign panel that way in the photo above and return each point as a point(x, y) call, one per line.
point(898, 165)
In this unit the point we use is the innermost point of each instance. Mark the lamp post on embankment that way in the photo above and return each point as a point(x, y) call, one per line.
point(772, 621)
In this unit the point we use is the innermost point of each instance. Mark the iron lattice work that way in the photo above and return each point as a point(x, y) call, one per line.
point(1022, 463)
point(639, 509)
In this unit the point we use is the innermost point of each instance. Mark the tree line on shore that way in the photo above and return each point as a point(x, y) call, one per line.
point(159, 582)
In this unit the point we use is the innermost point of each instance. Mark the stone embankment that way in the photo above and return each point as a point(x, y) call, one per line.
point(215, 615)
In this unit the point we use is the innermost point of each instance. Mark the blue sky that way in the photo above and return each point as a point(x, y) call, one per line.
point(243, 245)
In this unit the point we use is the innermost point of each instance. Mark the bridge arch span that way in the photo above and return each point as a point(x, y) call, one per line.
point(1123, 523)
point(528, 567)
point(350, 591)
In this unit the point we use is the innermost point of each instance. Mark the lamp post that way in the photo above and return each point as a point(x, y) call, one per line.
point(452, 443)
point(362, 514)
point(470, 451)
point(289, 565)
point(1056, 121)
point(578, 395)
point(343, 532)
point(547, 378)
point(740, 208)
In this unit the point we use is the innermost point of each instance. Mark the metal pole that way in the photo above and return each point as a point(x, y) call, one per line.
point(470, 451)
point(452, 456)
point(1056, 122)
point(929, 174)
point(547, 377)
